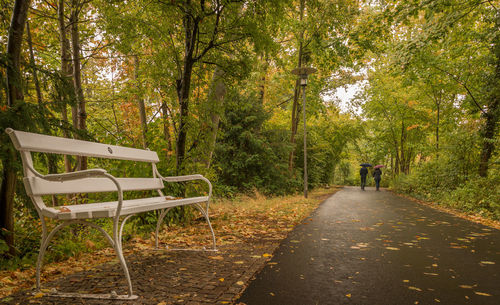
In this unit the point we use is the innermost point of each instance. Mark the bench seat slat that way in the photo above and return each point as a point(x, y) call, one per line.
point(108, 209)
point(26, 141)
point(39, 187)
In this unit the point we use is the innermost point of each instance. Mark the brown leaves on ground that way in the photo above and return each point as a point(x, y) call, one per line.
point(474, 218)
point(255, 219)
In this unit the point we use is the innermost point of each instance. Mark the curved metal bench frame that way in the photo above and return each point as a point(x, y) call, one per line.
point(37, 185)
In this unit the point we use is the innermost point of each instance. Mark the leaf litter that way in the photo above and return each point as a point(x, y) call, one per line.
point(234, 221)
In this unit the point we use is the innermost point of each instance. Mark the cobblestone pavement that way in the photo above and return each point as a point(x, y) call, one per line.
point(166, 277)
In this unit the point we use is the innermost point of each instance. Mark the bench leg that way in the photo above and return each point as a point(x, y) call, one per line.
point(158, 225)
point(43, 247)
point(205, 213)
point(117, 234)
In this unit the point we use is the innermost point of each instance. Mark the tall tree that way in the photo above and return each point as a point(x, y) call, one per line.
point(15, 96)
point(76, 7)
point(66, 70)
point(461, 28)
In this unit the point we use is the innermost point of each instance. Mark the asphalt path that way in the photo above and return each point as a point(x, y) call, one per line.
point(368, 247)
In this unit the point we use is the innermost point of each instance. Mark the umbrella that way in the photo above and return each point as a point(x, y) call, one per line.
point(379, 166)
point(365, 164)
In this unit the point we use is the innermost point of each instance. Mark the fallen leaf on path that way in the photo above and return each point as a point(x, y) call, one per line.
point(392, 248)
point(466, 286)
point(240, 283)
point(218, 257)
point(414, 288)
point(483, 294)
point(487, 263)
point(348, 295)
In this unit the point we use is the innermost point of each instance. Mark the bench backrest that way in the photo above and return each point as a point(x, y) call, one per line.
point(26, 142)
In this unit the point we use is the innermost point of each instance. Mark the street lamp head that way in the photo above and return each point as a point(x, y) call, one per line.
point(303, 72)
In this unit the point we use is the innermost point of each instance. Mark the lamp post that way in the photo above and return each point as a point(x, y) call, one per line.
point(303, 72)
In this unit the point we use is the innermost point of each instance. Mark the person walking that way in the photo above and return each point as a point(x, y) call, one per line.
point(377, 176)
point(363, 172)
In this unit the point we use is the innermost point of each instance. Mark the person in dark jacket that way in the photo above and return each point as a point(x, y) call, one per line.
point(377, 176)
point(363, 172)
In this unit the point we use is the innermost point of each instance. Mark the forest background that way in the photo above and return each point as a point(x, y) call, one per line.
point(208, 85)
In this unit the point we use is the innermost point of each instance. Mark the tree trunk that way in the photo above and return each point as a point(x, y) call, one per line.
point(140, 103)
point(166, 127)
point(77, 77)
point(66, 71)
point(184, 83)
point(438, 109)
point(33, 68)
point(14, 95)
point(490, 128)
point(216, 100)
point(262, 93)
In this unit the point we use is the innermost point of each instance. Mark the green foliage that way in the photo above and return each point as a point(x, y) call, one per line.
point(441, 182)
point(248, 155)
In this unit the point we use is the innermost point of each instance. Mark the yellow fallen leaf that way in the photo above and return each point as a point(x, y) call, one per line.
point(487, 263)
point(414, 288)
point(433, 274)
point(348, 295)
point(239, 262)
point(221, 279)
point(218, 257)
point(38, 295)
point(466, 286)
point(406, 281)
point(272, 294)
point(483, 294)
point(162, 303)
point(240, 283)
point(392, 248)
point(266, 255)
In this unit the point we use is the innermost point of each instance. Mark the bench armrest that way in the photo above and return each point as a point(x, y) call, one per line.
point(94, 172)
point(182, 178)
point(187, 178)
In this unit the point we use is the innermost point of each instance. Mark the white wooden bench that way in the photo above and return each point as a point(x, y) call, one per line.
point(93, 181)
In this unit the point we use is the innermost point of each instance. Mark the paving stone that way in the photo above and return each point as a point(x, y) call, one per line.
point(193, 278)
